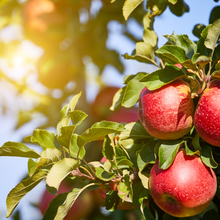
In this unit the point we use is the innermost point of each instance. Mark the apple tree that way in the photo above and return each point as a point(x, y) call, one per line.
point(164, 165)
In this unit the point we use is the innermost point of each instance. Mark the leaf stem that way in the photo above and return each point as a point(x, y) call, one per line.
point(161, 63)
point(89, 167)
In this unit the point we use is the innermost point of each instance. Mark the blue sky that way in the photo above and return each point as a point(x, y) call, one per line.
point(13, 169)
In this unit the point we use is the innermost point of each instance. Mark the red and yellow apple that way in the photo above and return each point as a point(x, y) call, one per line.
point(82, 207)
point(167, 112)
point(186, 188)
point(207, 114)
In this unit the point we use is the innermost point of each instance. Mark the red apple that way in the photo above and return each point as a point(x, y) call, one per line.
point(124, 115)
point(186, 188)
point(103, 101)
point(167, 112)
point(207, 114)
point(82, 207)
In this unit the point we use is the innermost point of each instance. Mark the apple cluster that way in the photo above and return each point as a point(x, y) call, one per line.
point(188, 186)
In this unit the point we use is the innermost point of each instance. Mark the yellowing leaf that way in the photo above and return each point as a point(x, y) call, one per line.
point(129, 6)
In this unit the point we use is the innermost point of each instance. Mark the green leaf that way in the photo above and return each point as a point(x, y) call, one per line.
point(104, 175)
point(31, 166)
point(149, 36)
point(200, 59)
point(146, 155)
point(125, 191)
point(172, 1)
point(148, 21)
point(128, 95)
point(145, 49)
point(20, 190)
point(197, 30)
point(111, 200)
point(77, 117)
point(207, 157)
point(59, 171)
point(117, 99)
point(124, 163)
point(135, 130)
point(147, 214)
point(61, 204)
point(179, 8)
point(157, 6)
point(15, 149)
point(140, 58)
point(162, 77)
point(144, 52)
point(129, 6)
point(65, 135)
point(132, 91)
point(183, 42)
point(213, 35)
point(144, 179)
point(48, 157)
point(73, 101)
point(167, 153)
point(172, 54)
point(200, 44)
point(74, 148)
point(44, 138)
point(196, 143)
point(191, 152)
point(65, 117)
point(216, 74)
point(139, 193)
point(68, 140)
point(98, 131)
point(107, 149)
point(107, 166)
point(217, 67)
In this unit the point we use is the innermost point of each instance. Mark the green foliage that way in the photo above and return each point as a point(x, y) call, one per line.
point(21, 189)
point(162, 77)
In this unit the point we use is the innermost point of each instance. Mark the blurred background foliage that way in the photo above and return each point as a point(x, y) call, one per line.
point(51, 50)
point(56, 43)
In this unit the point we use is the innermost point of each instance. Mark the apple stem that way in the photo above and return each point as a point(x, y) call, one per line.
point(208, 77)
point(200, 74)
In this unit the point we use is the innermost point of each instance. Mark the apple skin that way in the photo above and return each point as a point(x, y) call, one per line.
point(167, 112)
point(186, 188)
point(85, 200)
point(207, 114)
point(103, 101)
point(124, 115)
